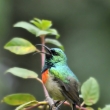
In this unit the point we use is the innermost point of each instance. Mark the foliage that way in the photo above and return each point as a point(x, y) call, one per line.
point(20, 46)
point(90, 91)
point(21, 72)
point(18, 99)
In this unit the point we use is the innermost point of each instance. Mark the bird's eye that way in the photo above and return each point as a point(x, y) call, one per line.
point(54, 53)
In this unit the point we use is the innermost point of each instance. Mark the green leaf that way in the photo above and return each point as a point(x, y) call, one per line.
point(107, 107)
point(54, 32)
point(42, 27)
point(18, 99)
point(37, 22)
point(46, 24)
point(90, 91)
point(20, 46)
point(21, 72)
point(29, 27)
point(41, 32)
point(47, 32)
point(41, 24)
point(55, 42)
point(28, 104)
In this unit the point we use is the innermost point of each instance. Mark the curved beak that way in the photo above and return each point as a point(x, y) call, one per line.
point(47, 48)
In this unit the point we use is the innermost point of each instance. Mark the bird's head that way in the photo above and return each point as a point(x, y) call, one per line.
point(55, 55)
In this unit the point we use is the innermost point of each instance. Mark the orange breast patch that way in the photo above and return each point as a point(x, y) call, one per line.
point(45, 76)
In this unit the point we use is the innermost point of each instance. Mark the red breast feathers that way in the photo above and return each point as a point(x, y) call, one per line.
point(45, 76)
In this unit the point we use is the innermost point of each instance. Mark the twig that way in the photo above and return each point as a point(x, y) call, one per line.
point(43, 50)
point(50, 101)
point(39, 80)
point(66, 103)
point(80, 108)
point(39, 103)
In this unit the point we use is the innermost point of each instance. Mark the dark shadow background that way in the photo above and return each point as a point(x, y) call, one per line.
point(84, 26)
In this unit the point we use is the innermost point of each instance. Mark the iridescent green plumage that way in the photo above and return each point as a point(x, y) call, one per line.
point(62, 83)
point(62, 72)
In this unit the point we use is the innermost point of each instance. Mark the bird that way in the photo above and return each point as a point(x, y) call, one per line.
point(59, 80)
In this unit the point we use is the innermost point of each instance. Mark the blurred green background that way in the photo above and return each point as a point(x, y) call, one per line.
point(84, 26)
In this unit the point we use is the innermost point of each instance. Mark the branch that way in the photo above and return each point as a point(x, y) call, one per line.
point(48, 98)
point(42, 103)
point(50, 101)
point(37, 105)
point(78, 107)
point(43, 50)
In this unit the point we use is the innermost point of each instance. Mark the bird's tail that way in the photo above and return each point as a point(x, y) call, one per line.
point(74, 107)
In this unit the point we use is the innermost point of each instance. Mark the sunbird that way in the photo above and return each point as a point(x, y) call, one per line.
point(60, 82)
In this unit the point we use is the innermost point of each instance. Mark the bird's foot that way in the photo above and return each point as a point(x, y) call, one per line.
point(53, 107)
point(60, 103)
point(56, 105)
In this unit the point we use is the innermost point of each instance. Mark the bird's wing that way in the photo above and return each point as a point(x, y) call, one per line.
point(68, 83)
